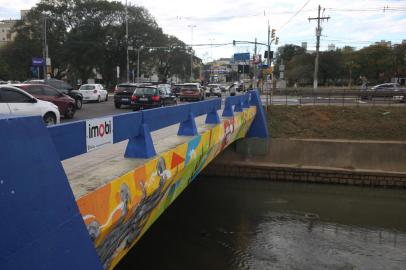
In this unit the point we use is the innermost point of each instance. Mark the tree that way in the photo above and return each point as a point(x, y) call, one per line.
point(300, 68)
point(376, 63)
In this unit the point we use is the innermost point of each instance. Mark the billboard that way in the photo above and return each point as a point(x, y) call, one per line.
point(38, 62)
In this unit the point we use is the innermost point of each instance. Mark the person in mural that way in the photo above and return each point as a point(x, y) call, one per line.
point(228, 131)
point(131, 222)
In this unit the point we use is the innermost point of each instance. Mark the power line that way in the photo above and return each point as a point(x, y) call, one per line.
point(297, 12)
point(376, 9)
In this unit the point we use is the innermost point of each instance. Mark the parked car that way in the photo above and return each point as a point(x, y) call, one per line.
point(152, 97)
point(16, 101)
point(66, 104)
point(93, 92)
point(223, 88)
point(64, 87)
point(385, 90)
point(191, 91)
point(213, 90)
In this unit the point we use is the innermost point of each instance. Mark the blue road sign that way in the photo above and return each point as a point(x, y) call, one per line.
point(241, 56)
point(38, 62)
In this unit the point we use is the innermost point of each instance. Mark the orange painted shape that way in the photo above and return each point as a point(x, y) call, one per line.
point(176, 160)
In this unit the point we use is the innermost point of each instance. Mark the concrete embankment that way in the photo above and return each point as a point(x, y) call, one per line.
point(368, 163)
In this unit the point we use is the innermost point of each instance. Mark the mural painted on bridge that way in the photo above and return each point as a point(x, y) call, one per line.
point(118, 214)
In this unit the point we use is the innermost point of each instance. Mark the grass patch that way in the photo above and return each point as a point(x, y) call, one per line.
point(335, 122)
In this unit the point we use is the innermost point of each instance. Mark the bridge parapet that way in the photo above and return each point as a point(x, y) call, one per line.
point(116, 214)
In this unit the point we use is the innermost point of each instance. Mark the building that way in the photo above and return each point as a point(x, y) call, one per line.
point(6, 26)
point(384, 43)
point(217, 70)
point(331, 47)
point(5, 31)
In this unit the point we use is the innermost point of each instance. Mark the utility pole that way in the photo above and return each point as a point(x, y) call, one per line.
point(191, 51)
point(138, 64)
point(269, 65)
point(255, 65)
point(45, 50)
point(318, 34)
point(126, 37)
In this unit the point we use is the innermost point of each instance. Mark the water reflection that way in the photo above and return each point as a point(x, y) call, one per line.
point(245, 224)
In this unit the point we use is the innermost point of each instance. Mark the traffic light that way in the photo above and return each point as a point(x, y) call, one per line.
point(276, 41)
point(233, 42)
point(270, 56)
point(273, 33)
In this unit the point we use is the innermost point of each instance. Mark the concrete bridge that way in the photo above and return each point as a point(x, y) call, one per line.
point(80, 195)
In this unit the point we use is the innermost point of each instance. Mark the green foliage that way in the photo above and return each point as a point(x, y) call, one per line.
point(88, 36)
point(378, 63)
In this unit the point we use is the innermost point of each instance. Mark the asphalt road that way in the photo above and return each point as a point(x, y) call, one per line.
point(94, 109)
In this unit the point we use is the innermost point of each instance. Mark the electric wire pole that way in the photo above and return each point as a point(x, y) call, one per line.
point(318, 34)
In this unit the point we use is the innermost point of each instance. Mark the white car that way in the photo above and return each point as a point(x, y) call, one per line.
point(15, 101)
point(214, 90)
point(94, 92)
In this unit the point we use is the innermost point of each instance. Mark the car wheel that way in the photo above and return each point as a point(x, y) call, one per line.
point(98, 99)
point(107, 97)
point(70, 112)
point(49, 119)
point(78, 103)
point(117, 105)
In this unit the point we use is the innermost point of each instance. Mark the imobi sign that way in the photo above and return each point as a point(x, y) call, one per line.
point(99, 132)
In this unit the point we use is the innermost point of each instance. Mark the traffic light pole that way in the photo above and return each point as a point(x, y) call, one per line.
point(268, 62)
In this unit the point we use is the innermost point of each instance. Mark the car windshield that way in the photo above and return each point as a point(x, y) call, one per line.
point(87, 87)
point(145, 91)
point(123, 87)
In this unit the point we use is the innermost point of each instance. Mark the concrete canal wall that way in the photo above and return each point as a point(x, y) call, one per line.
point(370, 163)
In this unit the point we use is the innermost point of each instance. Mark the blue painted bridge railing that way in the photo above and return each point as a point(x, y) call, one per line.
point(40, 223)
point(70, 138)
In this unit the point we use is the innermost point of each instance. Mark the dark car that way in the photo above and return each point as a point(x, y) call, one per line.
point(63, 87)
point(123, 93)
point(176, 89)
point(66, 104)
point(191, 91)
point(386, 90)
point(151, 97)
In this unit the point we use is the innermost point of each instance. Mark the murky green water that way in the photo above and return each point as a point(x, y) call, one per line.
point(224, 223)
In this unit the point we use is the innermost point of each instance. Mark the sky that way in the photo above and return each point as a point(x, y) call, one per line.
point(356, 23)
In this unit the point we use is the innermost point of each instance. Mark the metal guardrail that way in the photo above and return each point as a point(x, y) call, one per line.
point(336, 96)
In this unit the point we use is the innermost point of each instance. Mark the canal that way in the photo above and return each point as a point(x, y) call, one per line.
point(224, 223)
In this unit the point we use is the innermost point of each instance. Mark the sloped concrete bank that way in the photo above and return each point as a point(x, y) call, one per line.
point(366, 163)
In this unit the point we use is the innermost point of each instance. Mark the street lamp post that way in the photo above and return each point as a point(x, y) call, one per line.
point(126, 38)
point(191, 50)
point(138, 64)
point(45, 51)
